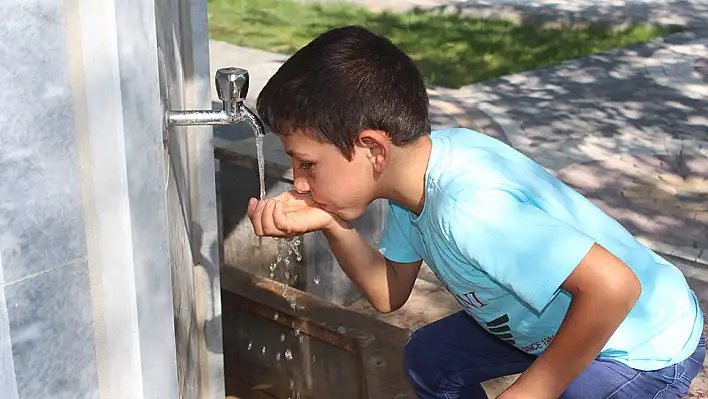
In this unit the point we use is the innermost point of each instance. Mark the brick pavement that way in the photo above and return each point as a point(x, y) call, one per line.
point(685, 13)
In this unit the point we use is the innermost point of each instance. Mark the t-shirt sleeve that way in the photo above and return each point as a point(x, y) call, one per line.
point(520, 246)
point(395, 243)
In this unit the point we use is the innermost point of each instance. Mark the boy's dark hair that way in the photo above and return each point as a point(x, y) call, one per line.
point(345, 81)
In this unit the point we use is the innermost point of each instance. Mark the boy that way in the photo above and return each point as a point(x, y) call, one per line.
point(550, 286)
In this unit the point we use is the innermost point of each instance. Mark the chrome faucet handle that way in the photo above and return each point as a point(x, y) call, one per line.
point(232, 84)
point(232, 88)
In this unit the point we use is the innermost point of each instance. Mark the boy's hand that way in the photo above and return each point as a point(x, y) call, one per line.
point(289, 214)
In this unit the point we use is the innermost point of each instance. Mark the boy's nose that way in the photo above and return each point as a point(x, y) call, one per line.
point(301, 185)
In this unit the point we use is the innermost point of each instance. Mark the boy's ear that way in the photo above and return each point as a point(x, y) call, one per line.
point(377, 146)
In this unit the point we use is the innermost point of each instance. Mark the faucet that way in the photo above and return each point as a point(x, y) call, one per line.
point(232, 88)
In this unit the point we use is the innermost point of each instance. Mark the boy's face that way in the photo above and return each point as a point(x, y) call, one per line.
point(342, 187)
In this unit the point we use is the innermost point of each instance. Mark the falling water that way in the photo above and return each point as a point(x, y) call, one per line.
point(292, 242)
point(287, 248)
point(291, 245)
point(261, 165)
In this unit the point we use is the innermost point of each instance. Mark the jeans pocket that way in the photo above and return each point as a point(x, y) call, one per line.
point(680, 381)
point(669, 382)
point(684, 375)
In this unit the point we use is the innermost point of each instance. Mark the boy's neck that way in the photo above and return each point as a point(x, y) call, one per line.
point(405, 182)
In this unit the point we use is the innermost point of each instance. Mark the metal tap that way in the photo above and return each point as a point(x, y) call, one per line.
point(232, 88)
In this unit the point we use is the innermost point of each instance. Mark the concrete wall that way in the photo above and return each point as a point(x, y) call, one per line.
point(104, 291)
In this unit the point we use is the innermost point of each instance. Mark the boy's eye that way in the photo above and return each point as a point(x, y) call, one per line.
point(305, 165)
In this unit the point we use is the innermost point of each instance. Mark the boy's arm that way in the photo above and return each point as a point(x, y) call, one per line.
point(386, 284)
point(604, 290)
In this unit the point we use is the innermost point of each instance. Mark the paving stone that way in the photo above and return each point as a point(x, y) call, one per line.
point(700, 67)
point(687, 13)
point(657, 197)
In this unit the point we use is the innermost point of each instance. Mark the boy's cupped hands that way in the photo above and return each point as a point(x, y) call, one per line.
point(289, 214)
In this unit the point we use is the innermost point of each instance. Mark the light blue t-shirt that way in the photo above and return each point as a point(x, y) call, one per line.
point(503, 234)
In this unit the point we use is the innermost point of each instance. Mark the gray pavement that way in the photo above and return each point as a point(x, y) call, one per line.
point(685, 13)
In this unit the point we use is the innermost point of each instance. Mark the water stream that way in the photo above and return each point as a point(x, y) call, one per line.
point(261, 165)
point(287, 248)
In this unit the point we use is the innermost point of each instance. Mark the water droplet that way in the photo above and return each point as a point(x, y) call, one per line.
point(287, 275)
point(275, 317)
point(316, 280)
point(288, 354)
point(313, 359)
point(271, 275)
point(250, 345)
point(298, 257)
point(296, 332)
point(282, 337)
point(277, 357)
point(263, 350)
point(302, 338)
point(292, 384)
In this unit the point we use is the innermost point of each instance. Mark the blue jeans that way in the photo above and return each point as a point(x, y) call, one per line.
point(449, 359)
